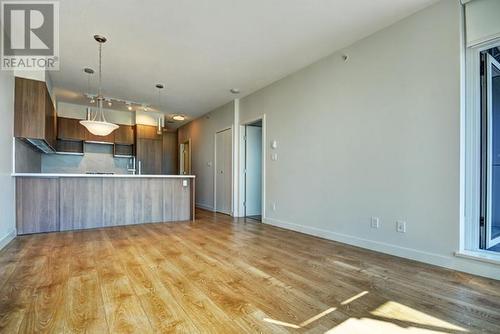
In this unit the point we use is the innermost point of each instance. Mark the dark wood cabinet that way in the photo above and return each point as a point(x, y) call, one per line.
point(147, 132)
point(70, 129)
point(149, 149)
point(170, 163)
point(50, 120)
point(125, 135)
point(149, 154)
point(69, 146)
point(35, 114)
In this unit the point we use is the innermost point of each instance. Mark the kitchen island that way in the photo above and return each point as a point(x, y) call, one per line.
point(64, 202)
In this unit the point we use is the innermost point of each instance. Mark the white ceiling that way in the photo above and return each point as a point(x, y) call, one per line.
point(200, 49)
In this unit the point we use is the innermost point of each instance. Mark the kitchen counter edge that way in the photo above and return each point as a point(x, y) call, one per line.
point(52, 175)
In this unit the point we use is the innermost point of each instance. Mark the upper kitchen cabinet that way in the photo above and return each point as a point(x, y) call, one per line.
point(70, 129)
point(125, 135)
point(35, 118)
point(147, 132)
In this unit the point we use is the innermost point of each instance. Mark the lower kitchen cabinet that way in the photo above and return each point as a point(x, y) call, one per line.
point(37, 205)
point(47, 204)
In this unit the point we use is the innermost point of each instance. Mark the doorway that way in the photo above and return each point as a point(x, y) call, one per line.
point(252, 170)
point(223, 171)
point(185, 157)
point(490, 148)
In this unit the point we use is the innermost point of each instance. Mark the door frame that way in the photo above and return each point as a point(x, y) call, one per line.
point(215, 167)
point(181, 157)
point(241, 181)
point(470, 154)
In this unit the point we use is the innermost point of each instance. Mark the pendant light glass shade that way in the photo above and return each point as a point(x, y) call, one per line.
point(99, 128)
point(97, 125)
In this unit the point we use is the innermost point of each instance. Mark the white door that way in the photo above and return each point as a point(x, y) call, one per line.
point(253, 170)
point(223, 170)
point(492, 73)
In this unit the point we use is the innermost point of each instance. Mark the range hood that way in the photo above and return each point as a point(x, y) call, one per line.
point(40, 144)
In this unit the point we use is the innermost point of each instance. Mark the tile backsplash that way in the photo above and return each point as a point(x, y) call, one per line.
point(97, 158)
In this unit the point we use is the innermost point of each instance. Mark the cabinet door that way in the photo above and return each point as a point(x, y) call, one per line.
point(124, 135)
point(147, 132)
point(170, 164)
point(50, 121)
point(149, 153)
point(70, 129)
point(37, 205)
point(29, 106)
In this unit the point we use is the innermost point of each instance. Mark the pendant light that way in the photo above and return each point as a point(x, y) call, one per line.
point(159, 125)
point(98, 125)
point(89, 72)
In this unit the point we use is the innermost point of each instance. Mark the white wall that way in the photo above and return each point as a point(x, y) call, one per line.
point(7, 195)
point(378, 135)
point(371, 136)
point(202, 133)
point(482, 23)
point(147, 117)
point(375, 136)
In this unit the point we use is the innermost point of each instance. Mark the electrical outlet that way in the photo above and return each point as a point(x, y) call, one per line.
point(274, 157)
point(401, 226)
point(375, 222)
point(273, 206)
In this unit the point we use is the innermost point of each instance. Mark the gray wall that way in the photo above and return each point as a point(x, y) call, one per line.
point(97, 158)
point(202, 133)
point(378, 135)
point(27, 159)
point(7, 194)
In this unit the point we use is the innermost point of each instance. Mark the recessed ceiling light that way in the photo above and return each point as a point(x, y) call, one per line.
point(234, 90)
point(179, 117)
point(129, 107)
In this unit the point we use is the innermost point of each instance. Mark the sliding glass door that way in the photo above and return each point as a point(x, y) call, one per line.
point(490, 222)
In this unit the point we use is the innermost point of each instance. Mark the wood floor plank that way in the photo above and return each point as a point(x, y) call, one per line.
point(224, 275)
point(164, 314)
point(84, 305)
point(123, 309)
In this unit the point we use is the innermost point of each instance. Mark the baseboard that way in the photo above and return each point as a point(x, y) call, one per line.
point(205, 206)
point(8, 238)
point(450, 262)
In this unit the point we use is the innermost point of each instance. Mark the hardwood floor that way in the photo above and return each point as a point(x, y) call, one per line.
point(219, 276)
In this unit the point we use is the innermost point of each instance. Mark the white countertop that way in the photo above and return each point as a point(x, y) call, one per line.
point(47, 175)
